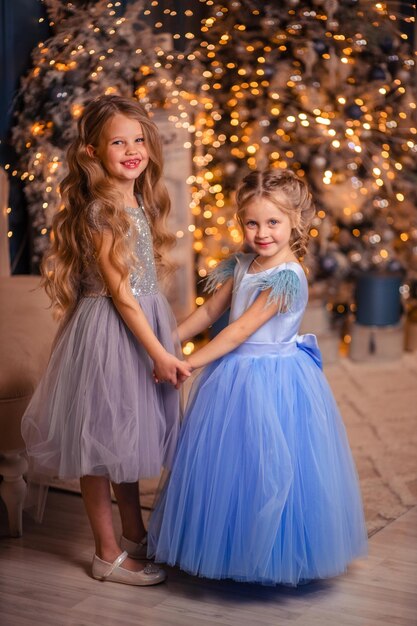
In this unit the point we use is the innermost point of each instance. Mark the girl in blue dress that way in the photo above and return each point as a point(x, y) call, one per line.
point(263, 487)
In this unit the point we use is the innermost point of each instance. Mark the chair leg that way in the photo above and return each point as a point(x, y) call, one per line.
point(13, 489)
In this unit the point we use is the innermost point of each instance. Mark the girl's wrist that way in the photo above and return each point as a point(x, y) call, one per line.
point(158, 353)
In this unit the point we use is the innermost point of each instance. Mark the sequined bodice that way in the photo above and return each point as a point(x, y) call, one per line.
point(143, 280)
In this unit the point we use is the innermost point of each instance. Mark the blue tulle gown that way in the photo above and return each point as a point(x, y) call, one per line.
point(263, 487)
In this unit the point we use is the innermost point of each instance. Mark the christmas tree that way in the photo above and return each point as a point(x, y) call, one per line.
point(97, 47)
point(328, 89)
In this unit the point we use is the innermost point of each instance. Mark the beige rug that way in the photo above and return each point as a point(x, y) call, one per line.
point(378, 402)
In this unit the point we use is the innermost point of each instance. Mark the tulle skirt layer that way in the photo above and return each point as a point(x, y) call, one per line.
point(263, 487)
point(97, 410)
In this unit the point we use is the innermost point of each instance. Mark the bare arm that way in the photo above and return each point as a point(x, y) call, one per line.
point(166, 365)
point(237, 332)
point(208, 313)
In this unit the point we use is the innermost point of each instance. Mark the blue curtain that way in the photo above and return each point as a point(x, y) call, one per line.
point(20, 32)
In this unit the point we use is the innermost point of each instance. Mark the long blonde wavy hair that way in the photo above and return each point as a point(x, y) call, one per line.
point(88, 186)
point(287, 192)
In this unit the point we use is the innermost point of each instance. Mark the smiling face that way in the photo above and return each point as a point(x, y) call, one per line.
point(268, 231)
point(122, 150)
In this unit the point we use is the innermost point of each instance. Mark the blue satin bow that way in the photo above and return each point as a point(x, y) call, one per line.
point(308, 343)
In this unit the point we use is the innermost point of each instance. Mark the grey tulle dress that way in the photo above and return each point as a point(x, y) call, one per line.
point(97, 410)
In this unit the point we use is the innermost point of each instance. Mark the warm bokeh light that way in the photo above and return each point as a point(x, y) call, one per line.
point(274, 86)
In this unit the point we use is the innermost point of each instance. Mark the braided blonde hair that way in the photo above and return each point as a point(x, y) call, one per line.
point(289, 193)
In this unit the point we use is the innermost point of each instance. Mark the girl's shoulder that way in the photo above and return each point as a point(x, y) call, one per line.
point(94, 216)
point(290, 267)
point(286, 283)
point(226, 269)
point(98, 218)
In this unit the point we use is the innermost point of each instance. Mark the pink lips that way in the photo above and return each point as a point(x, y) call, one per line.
point(263, 243)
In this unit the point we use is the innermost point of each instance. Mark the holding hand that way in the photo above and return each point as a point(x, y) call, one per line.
point(167, 368)
point(181, 377)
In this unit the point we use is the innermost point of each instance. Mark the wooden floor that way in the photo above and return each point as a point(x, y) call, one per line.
point(44, 580)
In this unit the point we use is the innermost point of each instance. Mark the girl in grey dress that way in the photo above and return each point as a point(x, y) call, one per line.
point(97, 414)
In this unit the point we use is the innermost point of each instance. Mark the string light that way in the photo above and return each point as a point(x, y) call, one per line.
point(252, 97)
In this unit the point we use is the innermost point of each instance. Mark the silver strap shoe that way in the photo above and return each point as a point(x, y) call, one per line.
point(150, 575)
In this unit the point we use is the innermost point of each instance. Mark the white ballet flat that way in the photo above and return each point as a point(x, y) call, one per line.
point(135, 550)
point(150, 575)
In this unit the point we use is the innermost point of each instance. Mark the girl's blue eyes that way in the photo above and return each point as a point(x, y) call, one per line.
point(270, 222)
